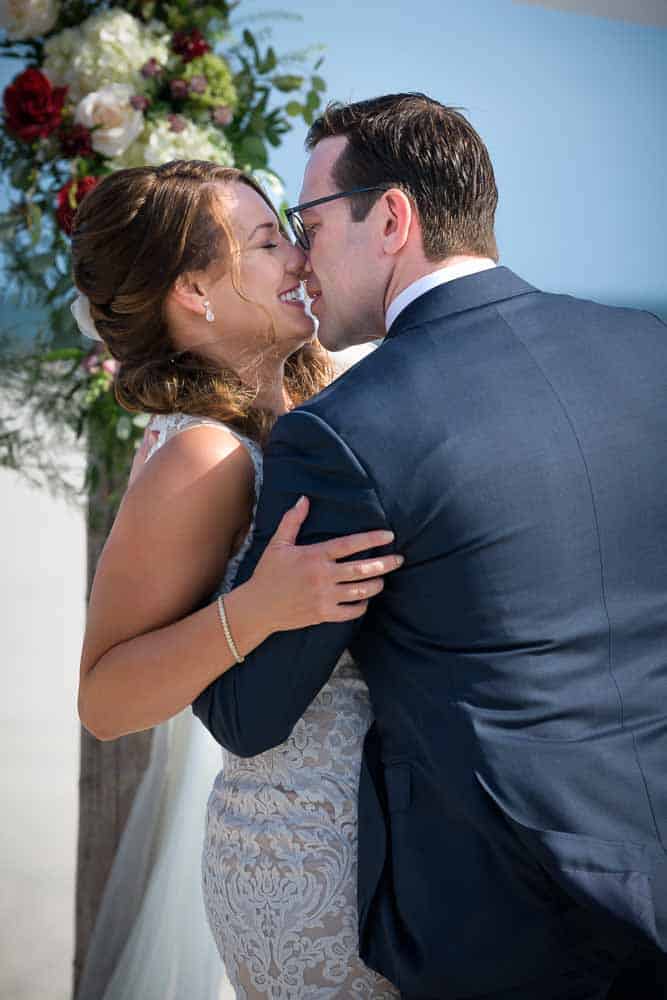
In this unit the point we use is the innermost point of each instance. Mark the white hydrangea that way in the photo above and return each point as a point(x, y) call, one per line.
point(23, 19)
point(109, 47)
point(115, 122)
point(159, 144)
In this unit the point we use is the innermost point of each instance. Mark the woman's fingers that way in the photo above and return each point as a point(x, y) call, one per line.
point(291, 521)
point(348, 612)
point(367, 568)
point(348, 592)
point(349, 545)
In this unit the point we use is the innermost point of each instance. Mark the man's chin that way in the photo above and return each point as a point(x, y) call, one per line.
point(331, 339)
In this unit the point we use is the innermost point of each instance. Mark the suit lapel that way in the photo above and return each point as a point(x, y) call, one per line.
point(471, 292)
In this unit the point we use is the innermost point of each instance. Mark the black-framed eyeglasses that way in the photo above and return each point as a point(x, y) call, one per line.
point(296, 223)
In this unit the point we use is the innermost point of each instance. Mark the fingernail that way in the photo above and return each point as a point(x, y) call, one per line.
point(300, 502)
point(401, 560)
point(388, 535)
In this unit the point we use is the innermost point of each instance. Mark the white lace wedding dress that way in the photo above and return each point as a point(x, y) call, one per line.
point(279, 861)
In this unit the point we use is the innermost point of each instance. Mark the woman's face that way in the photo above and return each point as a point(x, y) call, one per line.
point(267, 312)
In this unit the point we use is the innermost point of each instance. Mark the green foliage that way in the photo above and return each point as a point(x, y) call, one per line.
point(60, 392)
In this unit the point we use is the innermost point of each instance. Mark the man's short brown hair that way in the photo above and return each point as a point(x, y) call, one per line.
point(429, 151)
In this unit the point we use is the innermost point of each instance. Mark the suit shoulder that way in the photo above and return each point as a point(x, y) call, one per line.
point(556, 302)
point(348, 394)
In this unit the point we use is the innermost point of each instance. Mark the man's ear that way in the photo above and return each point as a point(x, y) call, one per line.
point(188, 293)
point(399, 217)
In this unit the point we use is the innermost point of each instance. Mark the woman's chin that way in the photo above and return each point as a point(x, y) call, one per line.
point(299, 333)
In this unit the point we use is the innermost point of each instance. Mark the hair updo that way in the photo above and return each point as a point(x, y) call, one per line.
point(133, 235)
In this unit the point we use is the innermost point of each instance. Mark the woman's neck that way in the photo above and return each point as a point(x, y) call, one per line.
point(272, 393)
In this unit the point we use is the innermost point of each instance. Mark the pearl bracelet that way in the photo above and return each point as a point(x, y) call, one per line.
point(228, 635)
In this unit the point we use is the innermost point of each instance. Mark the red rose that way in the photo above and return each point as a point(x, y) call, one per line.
point(69, 198)
point(189, 44)
point(76, 141)
point(33, 108)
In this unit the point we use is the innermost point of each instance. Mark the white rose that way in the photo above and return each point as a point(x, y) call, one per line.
point(110, 113)
point(23, 19)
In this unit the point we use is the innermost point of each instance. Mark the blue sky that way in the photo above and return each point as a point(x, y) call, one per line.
point(571, 106)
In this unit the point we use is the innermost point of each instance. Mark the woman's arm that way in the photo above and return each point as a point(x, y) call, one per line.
point(167, 552)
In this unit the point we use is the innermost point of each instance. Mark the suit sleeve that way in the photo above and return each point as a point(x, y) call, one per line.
point(254, 705)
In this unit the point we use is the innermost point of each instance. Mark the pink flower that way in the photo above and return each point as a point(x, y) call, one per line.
point(179, 89)
point(151, 68)
point(111, 366)
point(198, 84)
point(91, 363)
point(176, 123)
point(140, 102)
point(223, 115)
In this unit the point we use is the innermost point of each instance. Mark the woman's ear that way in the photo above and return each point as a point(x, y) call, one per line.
point(398, 220)
point(188, 294)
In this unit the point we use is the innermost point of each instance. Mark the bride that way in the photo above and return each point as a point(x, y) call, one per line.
point(186, 275)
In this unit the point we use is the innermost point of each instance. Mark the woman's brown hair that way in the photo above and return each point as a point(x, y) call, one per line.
point(134, 234)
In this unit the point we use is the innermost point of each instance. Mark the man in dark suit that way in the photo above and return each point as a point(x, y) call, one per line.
point(513, 805)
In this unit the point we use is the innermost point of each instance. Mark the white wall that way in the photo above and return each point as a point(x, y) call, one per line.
point(42, 572)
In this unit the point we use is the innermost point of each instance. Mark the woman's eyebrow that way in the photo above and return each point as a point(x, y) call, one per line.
point(262, 225)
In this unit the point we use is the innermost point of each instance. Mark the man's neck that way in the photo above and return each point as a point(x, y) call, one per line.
point(421, 269)
point(429, 278)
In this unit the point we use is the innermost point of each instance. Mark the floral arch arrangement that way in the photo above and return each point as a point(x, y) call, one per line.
point(105, 86)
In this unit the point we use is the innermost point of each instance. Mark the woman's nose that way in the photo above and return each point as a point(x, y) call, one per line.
point(297, 260)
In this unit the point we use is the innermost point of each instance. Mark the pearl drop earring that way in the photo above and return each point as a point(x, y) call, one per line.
point(209, 312)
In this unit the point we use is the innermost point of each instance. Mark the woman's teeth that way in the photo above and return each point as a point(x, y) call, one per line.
point(295, 295)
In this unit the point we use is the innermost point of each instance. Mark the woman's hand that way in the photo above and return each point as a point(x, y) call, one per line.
point(300, 585)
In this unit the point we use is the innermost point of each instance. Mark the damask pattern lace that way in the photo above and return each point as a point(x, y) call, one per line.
point(279, 860)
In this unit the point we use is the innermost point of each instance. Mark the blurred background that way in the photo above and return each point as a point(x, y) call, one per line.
point(570, 98)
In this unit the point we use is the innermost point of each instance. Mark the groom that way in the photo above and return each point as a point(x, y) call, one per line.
point(513, 801)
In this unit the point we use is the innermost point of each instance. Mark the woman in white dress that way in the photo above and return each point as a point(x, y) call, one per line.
point(194, 288)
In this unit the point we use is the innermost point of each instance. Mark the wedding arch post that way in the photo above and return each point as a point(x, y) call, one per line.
point(185, 81)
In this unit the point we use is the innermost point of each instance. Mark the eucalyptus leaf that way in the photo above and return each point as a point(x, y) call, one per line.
point(35, 223)
point(290, 81)
point(253, 152)
point(65, 354)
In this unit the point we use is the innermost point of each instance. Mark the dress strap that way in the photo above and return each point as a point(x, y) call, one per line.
point(165, 426)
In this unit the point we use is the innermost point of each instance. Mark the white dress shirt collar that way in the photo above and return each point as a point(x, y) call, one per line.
point(463, 268)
